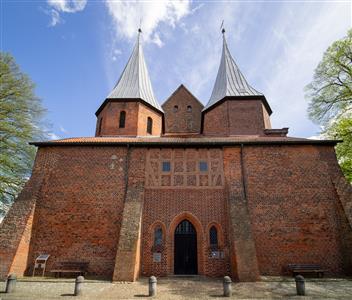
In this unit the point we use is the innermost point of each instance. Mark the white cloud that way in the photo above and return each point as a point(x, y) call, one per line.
point(127, 15)
point(55, 17)
point(156, 40)
point(64, 6)
point(68, 6)
point(299, 41)
point(53, 136)
point(62, 129)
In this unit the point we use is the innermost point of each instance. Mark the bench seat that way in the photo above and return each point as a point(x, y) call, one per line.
point(70, 267)
point(299, 269)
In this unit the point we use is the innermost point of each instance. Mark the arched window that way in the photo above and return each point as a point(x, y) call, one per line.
point(189, 108)
point(122, 119)
point(149, 125)
point(158, 236)
point(175, 108)
point(213, 237)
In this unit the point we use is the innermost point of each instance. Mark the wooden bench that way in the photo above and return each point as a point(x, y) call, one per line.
point(70, 267)
point(300, 269)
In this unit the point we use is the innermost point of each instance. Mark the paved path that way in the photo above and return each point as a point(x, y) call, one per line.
point(178, 288)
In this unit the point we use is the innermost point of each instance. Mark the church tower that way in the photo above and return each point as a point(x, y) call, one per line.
point(131, 108)
point(234, 108)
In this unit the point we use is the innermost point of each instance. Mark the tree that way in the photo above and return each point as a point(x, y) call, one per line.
point(330, 95)
point(341, 129)
point(331, 89)
point(21, 115)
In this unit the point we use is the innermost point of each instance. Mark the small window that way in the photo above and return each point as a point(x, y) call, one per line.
point(213, 236)
point(100, 124)
point(166, 166)
point(122, 119)
point(158, 236)
point(149, 125)
point(189, 108)
point(175, 108)
point(203, 166)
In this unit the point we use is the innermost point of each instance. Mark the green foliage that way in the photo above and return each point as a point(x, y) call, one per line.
point(330, 95)
point(331, 89)
point(20, 122)
point(341, 129)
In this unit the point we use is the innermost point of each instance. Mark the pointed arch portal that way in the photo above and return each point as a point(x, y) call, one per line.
point(185, 248)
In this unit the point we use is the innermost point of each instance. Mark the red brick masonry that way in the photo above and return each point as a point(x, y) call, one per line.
point(297, 209)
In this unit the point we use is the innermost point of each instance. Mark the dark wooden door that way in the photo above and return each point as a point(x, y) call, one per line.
point(185, 255)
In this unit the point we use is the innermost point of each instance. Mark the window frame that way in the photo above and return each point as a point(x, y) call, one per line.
point(122, 119)
point(203, 163)
point(149, 125)
point(211, 229)
point(162, 166)
point(158, 239)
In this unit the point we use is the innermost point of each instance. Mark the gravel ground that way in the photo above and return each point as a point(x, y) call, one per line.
point(178, 288)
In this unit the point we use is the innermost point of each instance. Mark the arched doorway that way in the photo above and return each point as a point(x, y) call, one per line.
point(185, 249)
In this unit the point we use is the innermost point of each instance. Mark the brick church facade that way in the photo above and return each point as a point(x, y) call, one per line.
point(182, 189)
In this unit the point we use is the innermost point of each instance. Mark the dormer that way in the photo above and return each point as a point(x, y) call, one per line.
point(131, 108)
point(182, 113)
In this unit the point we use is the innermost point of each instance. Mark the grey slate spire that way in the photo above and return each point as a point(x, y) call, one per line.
point(229, 81)
point(134, 81)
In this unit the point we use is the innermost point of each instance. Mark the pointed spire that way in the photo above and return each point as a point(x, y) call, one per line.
point(134, 81)
point(229, 81)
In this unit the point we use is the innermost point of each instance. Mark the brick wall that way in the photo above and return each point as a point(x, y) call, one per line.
point(243, 251)
point(236, 117)
point(182, 120)
point(143, 113)
point(293, 208)
point(78, 215)
point(127, 262)
point(168, 208)
point(16, 228)
point(297, 210)
point(135, 122)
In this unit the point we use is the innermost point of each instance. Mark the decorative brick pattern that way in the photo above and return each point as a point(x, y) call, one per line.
point(184, 168)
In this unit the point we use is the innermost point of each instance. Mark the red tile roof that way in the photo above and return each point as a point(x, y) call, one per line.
point(201, 140)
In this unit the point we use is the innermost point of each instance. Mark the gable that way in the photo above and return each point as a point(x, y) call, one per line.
point(182, 112)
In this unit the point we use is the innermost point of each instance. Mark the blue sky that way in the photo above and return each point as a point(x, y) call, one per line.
point(76, 50)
